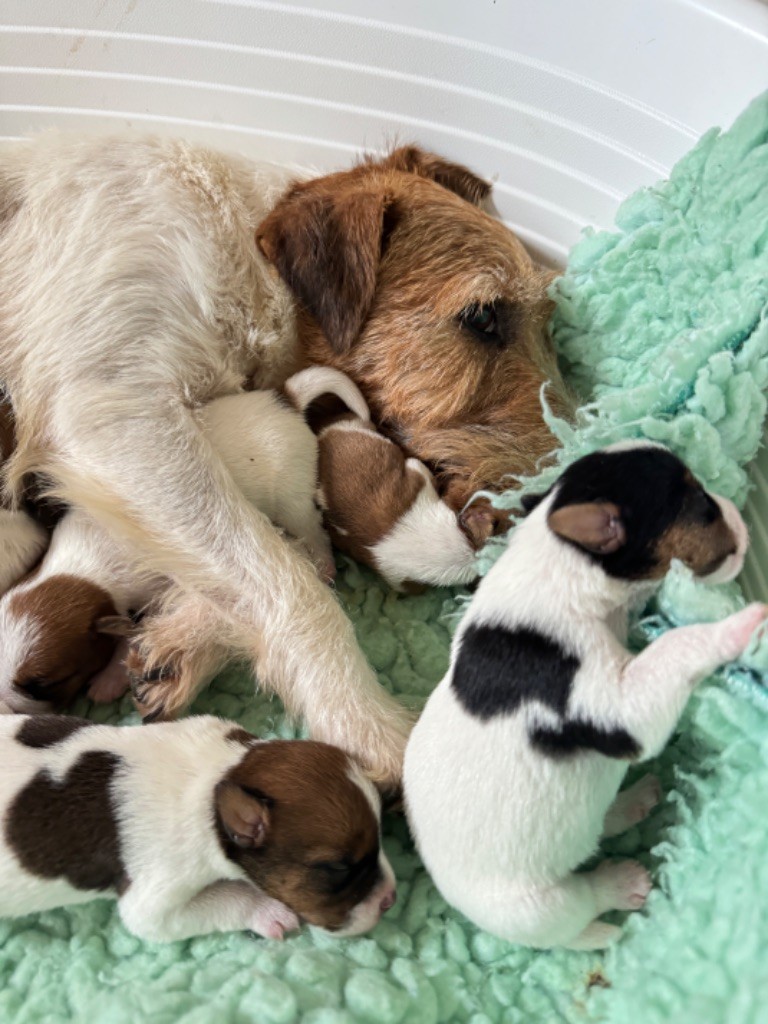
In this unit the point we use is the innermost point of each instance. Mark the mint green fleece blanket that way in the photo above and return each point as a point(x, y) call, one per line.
point(662, 327)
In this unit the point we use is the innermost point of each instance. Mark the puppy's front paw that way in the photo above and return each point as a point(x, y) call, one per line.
point(737, 630)
point(273, 919)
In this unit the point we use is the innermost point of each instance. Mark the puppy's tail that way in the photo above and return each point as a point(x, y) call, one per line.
point(304, 387)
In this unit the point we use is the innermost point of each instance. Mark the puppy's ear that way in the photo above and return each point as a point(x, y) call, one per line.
point(242, 815)
point(115, 625)
point(326, 245)
point(596, 526)
point(455, 177)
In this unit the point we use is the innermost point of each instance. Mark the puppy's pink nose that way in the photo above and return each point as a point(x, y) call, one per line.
point(388, 900)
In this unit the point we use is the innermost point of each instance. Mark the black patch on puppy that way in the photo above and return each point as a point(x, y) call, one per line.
point(67, 829)
point(46, 730)
point(576, 734)
point(498, 670)
point(653, 490)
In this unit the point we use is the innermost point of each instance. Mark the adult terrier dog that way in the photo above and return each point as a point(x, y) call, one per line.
point(133, 291)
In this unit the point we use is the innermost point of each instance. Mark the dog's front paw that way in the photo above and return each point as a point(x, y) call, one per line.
point(624, 884)
point(156, 689)
point(273, 919)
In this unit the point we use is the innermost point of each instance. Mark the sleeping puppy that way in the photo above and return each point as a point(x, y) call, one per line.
point(195, 827)
point(384, 510)
point(512, 772)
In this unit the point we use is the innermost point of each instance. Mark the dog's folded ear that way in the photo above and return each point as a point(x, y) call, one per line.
point(242, 815)
point(326, 244)
point(595, 526)
point(455, 177)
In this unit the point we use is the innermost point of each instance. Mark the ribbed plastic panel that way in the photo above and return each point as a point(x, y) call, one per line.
point(570, 106)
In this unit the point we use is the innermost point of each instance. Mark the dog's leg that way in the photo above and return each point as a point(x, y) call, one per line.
point(632, 806)
point(656, 684)
point(22, 542)
point(156, 481)
point(224, 906)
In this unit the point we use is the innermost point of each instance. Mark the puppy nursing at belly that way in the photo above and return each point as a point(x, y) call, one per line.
point(513, 771)
point(194, 826)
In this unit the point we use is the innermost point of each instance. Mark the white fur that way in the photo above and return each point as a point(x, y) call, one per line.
point(502, 826)
point(133, 291)
point(181, 881)
point(426, 544)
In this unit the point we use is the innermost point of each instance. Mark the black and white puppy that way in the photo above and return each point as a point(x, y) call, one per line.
point(195, 826)
point(513, 770)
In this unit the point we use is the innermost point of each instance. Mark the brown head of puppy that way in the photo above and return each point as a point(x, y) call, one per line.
point(634, 507)
point(433, 308)
point(57, 634)
point(303, 822)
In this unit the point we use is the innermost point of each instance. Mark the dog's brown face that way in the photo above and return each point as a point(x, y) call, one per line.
point(303, 822)
point(431, 306)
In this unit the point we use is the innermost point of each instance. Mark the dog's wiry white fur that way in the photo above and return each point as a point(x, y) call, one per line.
point(500, 825)
point(133, 292)
point(182, 883)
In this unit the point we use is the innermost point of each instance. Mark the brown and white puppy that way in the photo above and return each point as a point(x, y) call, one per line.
point(383, 509)
point(194, 826)
point(389, 271)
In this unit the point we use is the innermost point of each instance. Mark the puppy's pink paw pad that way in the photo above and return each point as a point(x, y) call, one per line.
point(740, 627)
point(646, 794)
point(626, 884)
point(274, 921)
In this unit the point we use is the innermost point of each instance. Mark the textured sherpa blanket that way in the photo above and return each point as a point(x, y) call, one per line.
point(662, 327)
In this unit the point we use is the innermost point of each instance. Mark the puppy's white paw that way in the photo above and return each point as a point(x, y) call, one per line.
point(641, 799)
point(737, 629)
point(623, 885)
point(273, 919)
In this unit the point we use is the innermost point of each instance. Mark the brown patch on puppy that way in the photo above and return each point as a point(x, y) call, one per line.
point(703, 548)
point(291, 817)
point(67, 829)
point(70, 650)
point(481, 521)
point(40, 731)
point(240, 736)
point(431, 306)
point(366, 486)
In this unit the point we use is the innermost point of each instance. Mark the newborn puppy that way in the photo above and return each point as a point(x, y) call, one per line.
point(66, 625)
point(513, 770)
point(384, 510)
point(194, 826)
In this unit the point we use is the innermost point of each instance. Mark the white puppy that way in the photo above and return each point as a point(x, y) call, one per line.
point(513, 770)
point(194, 826)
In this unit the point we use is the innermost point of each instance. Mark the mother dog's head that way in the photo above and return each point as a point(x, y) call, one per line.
point(433, 307)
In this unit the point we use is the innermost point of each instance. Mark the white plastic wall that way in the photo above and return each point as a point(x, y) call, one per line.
point(570, 104)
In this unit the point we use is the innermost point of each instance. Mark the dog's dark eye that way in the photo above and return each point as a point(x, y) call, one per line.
point(481, 320)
